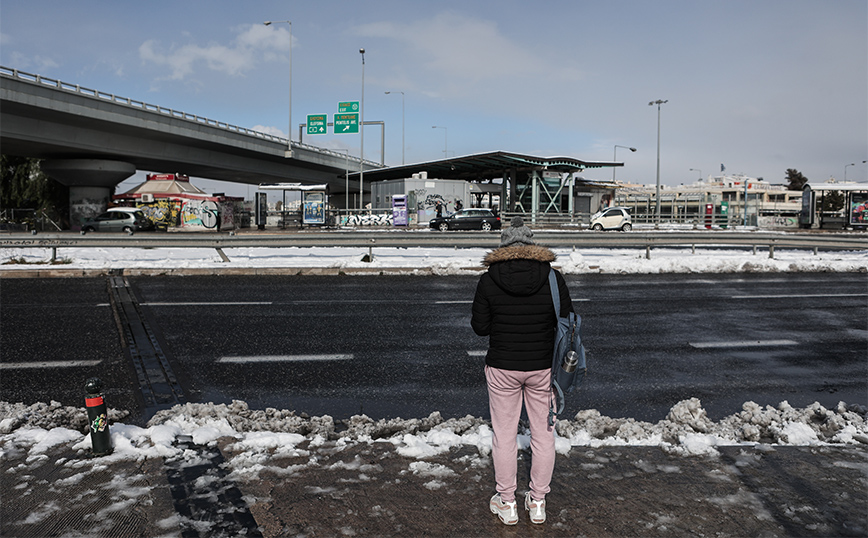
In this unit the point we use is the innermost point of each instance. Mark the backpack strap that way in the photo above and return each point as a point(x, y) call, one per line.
point(556, 294)
point(557, 396)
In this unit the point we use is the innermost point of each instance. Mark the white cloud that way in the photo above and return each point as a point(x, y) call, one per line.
point(36, 63)
point(253, 44)
point(462, 55)
point(268, 129)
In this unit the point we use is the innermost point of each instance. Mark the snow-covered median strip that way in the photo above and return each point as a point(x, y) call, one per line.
point(256, 435)
point(438, 261)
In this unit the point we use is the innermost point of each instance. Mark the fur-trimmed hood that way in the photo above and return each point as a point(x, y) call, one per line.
point(520, 269)
point(519, 252)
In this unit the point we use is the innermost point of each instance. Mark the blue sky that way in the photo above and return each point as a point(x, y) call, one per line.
point(760, 86)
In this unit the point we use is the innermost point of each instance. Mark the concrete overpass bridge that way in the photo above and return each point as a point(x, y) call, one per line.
point(92, 140)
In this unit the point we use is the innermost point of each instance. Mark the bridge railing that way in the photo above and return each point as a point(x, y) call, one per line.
point(142, 105)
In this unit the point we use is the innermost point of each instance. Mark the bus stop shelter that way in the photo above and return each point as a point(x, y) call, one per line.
point(314, 200)
point(854, 213)
point(529, 184)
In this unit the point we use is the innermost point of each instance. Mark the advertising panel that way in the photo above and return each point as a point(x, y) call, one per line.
point(806, 215)
point(859, 208)
point(261, 209)
point(313, 208)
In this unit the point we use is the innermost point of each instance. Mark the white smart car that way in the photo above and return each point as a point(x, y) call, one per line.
point(612, 218)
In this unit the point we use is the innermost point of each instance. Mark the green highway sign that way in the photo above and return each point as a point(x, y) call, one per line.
point(348, 107)
point(346, 123)
point(317, 124)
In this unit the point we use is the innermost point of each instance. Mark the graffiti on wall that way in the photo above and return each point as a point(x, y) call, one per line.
point(85, 208)
point(230, 214)
point(431, 201)
point(778, 222)
point(384, 219)
point(163, 213)
point(199, 213)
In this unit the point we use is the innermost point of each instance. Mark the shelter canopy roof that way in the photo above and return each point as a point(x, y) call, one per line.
point(484, 166)
point(165, 184)
point(837, 186)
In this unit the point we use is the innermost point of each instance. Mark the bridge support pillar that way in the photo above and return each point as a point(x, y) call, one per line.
point(90, 183)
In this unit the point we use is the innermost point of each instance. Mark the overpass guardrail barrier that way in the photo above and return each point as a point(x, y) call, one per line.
point(402, 238)
point(57, 84)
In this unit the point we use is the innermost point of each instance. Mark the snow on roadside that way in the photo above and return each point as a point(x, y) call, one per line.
point(255, 436)
point(441, 261)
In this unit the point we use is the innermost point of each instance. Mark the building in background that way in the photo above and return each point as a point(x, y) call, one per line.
point(723, 200)
point(172, 202)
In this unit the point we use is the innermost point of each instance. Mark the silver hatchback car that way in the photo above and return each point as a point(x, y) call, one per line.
point(118, 219)
point(612, 218)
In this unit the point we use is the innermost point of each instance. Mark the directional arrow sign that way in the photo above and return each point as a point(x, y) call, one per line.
point(317, 124)
point(346, 123)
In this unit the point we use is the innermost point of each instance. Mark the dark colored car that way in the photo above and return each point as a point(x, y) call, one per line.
point(467, 219)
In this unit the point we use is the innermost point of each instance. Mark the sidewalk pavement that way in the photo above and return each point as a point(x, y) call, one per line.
point(370, 490)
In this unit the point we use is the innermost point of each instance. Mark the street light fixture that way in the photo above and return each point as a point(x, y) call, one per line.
point(615, 158)
point(402, 124)
point(362, 132)
point(845, 170)
point(289, 133)
point(697, 170)
point(445, 140)
point(658, 102)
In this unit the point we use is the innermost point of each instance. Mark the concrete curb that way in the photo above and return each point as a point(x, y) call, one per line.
point(215, 271)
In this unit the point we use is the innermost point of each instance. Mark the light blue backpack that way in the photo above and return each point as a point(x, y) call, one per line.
point(567, 338)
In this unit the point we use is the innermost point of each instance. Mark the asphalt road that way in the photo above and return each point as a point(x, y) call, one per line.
point(393, 346)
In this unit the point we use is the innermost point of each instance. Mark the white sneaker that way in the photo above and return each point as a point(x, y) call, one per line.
point(537, 509)
point(507, 512)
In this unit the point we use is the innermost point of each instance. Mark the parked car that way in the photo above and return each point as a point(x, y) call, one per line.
point(467, 219)
point(118, 219)
point(612, 218)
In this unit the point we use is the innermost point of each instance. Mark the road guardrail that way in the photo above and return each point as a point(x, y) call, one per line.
point(405, 238)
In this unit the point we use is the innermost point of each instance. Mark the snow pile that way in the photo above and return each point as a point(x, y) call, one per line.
point(48, 415)
point(687, 429)
point(251, 437)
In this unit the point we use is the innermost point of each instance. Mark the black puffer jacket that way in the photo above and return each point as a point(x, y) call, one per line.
point(513, 307)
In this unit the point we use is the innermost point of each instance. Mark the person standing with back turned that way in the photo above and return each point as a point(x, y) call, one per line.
point(513, 307)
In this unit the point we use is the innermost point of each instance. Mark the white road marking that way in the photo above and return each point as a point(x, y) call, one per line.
point(284, 358)
point(46, 364)
point(471, 302)
point(809, 296)
point(214, 303)
point(743, 343)
point(477, 352)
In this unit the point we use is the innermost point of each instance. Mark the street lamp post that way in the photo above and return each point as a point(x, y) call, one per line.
point(347, 177)
point(445, 140)
point(289, 133)
point(362, 132)
point(658, 102)
point(705, 196)
point(845, 170)
point(615, 158)
point(402, 124)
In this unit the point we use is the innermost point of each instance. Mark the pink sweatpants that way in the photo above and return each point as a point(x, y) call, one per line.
point(506, 389)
